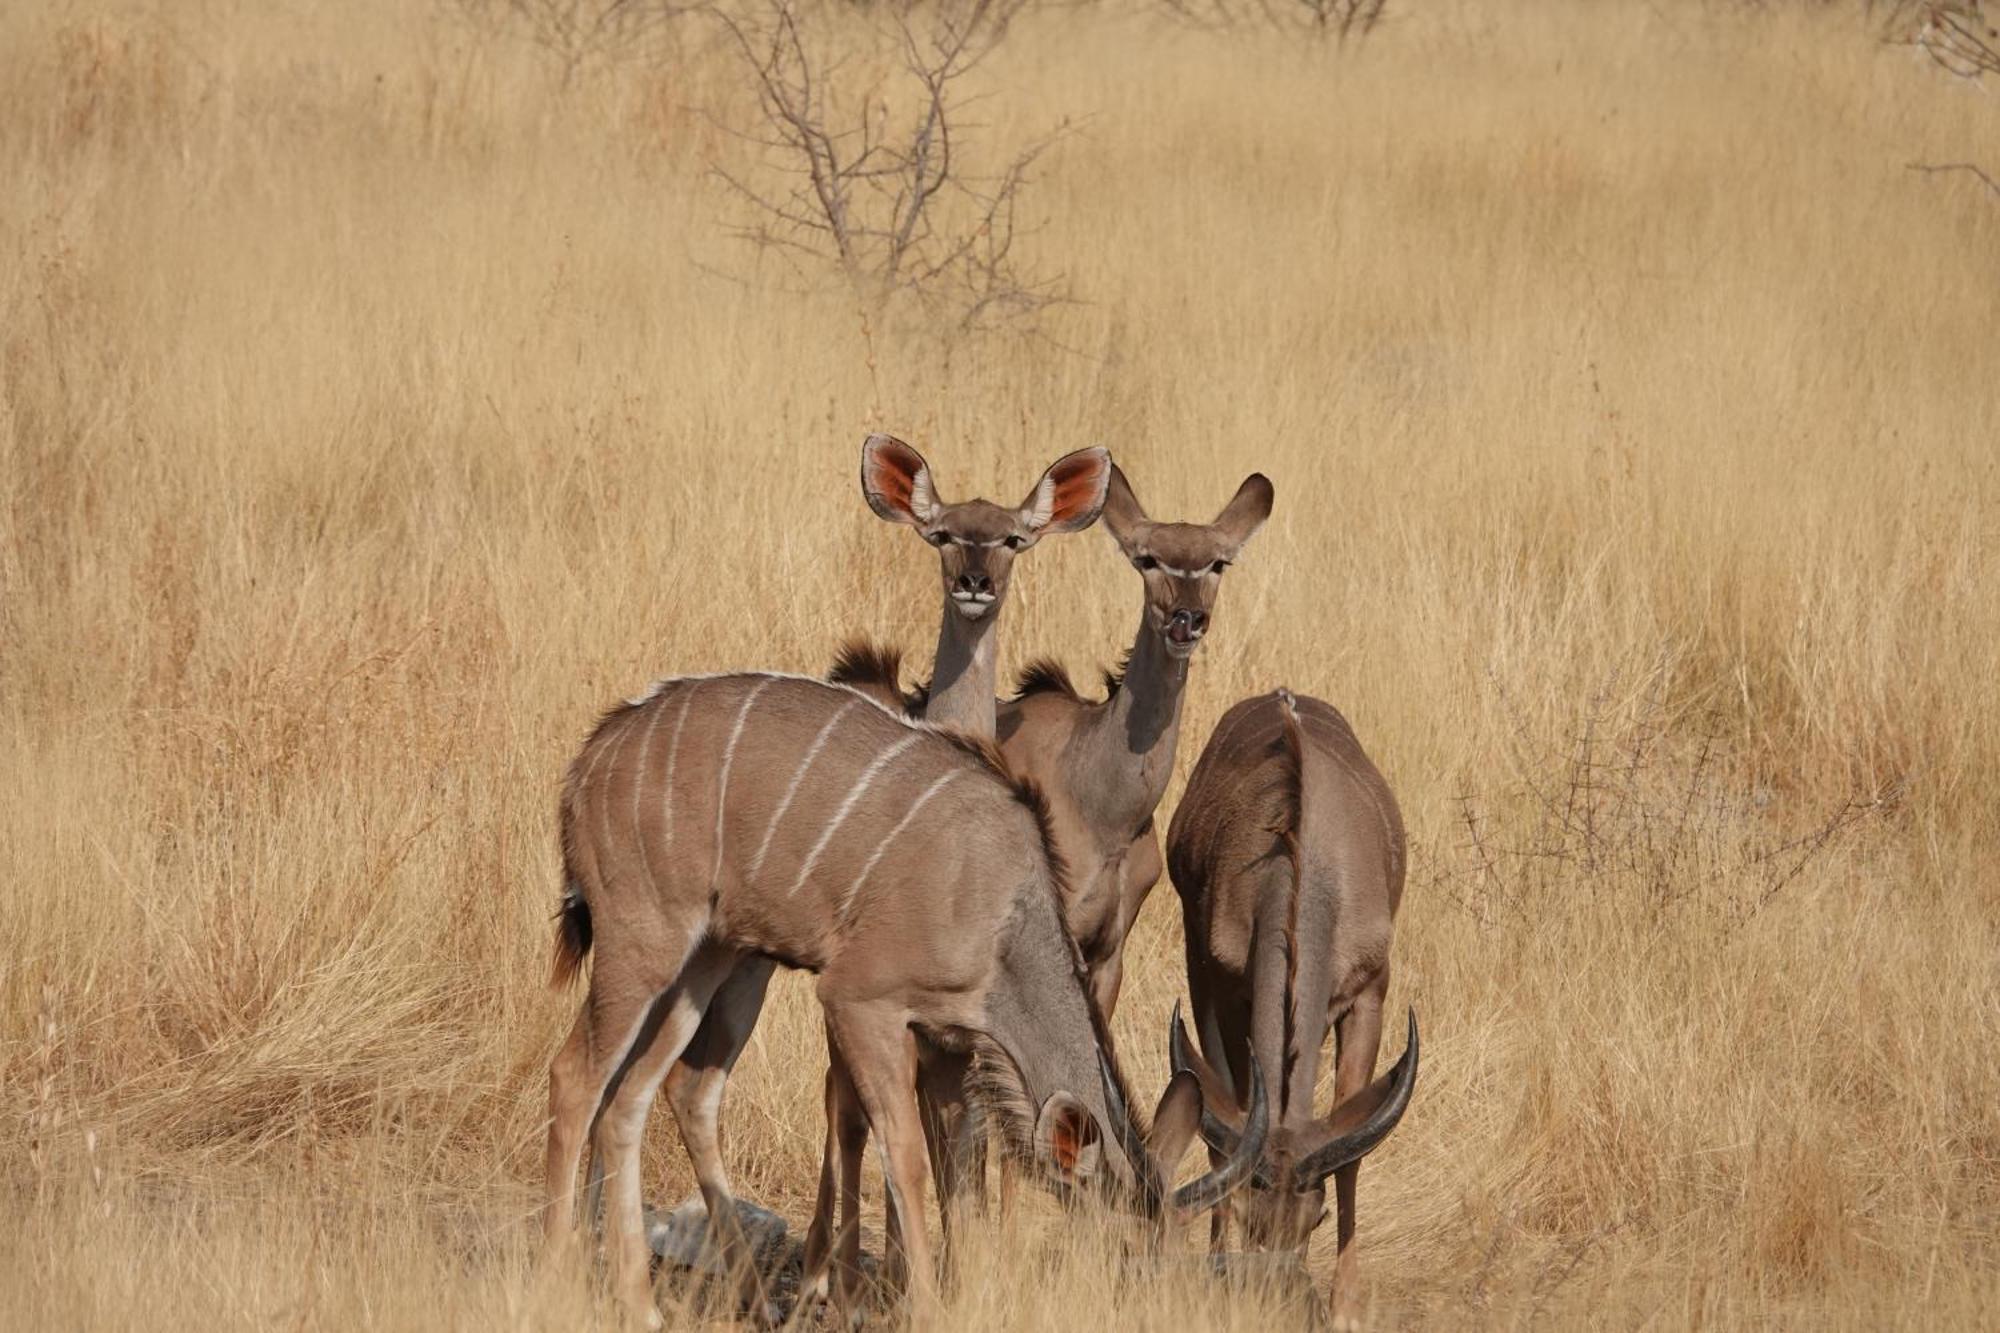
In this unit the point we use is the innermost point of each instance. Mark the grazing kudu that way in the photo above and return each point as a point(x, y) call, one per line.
point(1105, 764)
point(1287, 851)
point(977, 542)
point(728, 818)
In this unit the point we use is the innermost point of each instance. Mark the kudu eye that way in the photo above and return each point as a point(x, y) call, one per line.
point(1013, 541)
point(1218, 567)
point(939, 539)
point(1147, 563)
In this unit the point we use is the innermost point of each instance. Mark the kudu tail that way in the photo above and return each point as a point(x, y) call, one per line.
point(572, 938)
point(1309, 917)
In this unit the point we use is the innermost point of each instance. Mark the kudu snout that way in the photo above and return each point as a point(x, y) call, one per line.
point(1187, 625)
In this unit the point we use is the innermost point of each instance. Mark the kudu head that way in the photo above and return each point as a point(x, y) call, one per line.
point(1069, 1146)
point(1286, 1195)
point(1182, 563)
point(977, 540)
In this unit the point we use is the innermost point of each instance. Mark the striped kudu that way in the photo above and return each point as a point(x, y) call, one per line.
point(1287, 851)
point(726, 820)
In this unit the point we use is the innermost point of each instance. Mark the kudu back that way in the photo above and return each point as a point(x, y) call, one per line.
point(1288, 853)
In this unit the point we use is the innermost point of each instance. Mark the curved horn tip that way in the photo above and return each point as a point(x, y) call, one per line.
point(1258, 1121)
point(1244, 1162)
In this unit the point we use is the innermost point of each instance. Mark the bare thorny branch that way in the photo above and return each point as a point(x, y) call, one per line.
point(1959, 39)
point(1341, 21)
point(888, 201)
point(580, 32)
point(1624, 804)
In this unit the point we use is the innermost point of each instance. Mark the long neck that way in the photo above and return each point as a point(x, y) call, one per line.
point(964, 673)
point(1128, 749)
point(1038, 1012)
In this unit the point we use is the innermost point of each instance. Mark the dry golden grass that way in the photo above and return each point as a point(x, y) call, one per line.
point(375, 410)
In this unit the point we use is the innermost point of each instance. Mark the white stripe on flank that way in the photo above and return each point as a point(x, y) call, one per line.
point(847, 902)
point(819, 742)
point(673, 756)
point(846, 807)
point(638, 790)
point(729, 761)
point(610, 775)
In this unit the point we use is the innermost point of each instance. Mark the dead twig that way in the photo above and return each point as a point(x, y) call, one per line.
point(887, 199)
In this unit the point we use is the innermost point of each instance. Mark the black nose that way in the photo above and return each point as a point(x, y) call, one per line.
point(978, 585)
point(1186, 625)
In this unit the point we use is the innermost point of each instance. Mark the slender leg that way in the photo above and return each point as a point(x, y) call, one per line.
point(624, 984)
point(1357, 1037)
point(569, 1117)
point(833, 1252)
point(694, 1090)
point(615, 1140)
point(880, 1053)
point(1218, 1028)
point(819, 1236)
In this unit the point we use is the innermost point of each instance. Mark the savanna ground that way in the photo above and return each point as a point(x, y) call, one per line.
point(380, 403)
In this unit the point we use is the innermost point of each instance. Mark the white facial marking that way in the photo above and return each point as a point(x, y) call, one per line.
point(847, 900)
point(729, 760)
point(812, 753)
point(846, 807)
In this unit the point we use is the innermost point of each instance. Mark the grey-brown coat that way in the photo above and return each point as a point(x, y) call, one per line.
point(1288, 853)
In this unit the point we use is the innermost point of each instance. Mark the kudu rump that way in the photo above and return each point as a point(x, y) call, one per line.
point(1287, 851)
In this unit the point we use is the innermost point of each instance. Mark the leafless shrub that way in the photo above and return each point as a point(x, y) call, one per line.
point(1954, 33)
point(1341, 21)
point(1633, 801)
point(887, 198)
point(581, 33)
point(1959, 38)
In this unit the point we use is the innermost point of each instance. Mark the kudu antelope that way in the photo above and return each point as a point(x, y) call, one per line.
point(1287, 851)
point(717, 820)
point(977, 542)
point(1105, 763)
point(1103, 766)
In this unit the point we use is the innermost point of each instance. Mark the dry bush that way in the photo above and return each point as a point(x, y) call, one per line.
point(1336, 21)
point(888, 198)
point(580, 34)
point(372, 414)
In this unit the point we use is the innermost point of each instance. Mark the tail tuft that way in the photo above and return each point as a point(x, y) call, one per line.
point(572, 938)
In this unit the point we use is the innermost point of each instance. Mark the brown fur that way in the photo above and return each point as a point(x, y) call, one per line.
point(876, 670)
point(952, 923)
point(1106, 763)
point(1287, 851)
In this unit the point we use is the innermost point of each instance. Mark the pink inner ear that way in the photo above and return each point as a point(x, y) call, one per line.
point(1076, 489)
point(892, 483)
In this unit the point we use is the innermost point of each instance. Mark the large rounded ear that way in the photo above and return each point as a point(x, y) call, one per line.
point(1122, 511)
point(1174, 1123)
point(1070, 493)
point(1067, 1141)
point(1245, 513)
point(897, 481)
